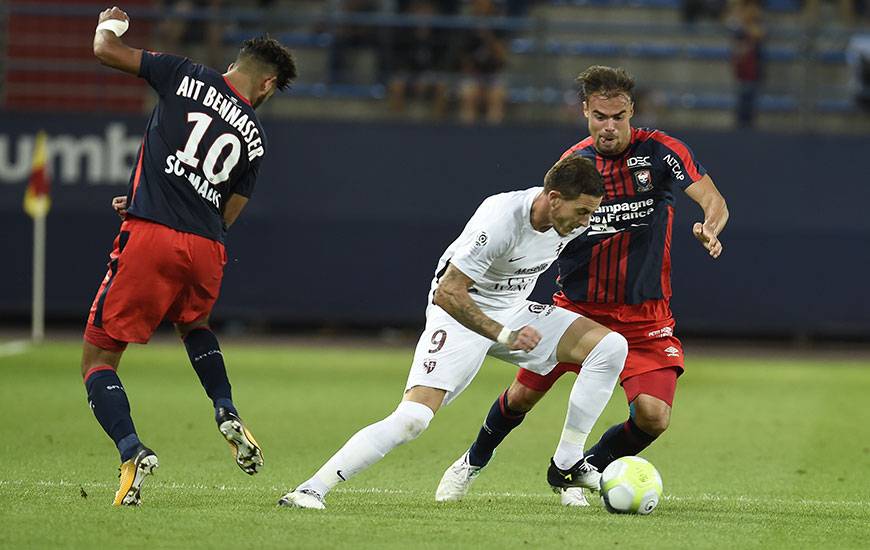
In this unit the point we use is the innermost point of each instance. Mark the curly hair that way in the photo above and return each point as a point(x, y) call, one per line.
point(605, 81)
point(268, 51)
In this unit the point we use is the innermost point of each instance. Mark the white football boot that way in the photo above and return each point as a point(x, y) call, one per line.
point(573, 496)
point(456, 480)
point(571, 482)
point(303, 498)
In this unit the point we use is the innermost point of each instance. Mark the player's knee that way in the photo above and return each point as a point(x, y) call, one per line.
point(655, 425)
point(521, 398)
point(653, 420)
point(94, 356)
point(412, 418)
point(183, 329)
point(414, 427)
point(613, 347)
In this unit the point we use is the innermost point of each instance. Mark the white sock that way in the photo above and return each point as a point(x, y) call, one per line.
point(371, 444)
point(589, 396)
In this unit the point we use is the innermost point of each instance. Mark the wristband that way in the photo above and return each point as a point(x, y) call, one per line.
point(117, 26)
point(504, 336)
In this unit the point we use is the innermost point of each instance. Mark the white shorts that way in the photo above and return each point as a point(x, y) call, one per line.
point(449, 355)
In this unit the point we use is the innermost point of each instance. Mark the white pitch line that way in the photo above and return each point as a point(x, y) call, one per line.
point(175, 486)
point(16, 347)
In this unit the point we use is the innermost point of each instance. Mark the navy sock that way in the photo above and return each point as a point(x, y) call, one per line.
point(208, 362)
point(108, 400)
point(625, 439)
point(498, 424)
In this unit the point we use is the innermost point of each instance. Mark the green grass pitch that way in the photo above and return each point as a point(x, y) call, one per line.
point(762, 452)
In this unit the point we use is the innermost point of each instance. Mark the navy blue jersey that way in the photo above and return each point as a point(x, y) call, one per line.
point(203, 143)
point(625, 256)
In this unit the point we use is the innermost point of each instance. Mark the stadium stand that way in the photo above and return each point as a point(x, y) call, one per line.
point(681, 67)
point(49, 62)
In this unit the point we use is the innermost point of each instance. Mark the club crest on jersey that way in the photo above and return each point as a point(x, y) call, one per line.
point(429, 365)
point(643, 181)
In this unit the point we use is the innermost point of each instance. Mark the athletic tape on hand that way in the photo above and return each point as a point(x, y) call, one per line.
point(117, 26)
point(504, 336)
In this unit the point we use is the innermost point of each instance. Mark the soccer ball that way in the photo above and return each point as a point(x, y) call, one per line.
point(631, 485)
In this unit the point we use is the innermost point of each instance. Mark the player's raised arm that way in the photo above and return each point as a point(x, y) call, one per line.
point(108, 46)
point(452, 296)
point(708, 197)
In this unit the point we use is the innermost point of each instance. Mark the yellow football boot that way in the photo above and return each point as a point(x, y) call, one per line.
point(244, 447)
point(133, 473)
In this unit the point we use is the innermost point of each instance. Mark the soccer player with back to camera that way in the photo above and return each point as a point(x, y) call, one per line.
point(478, 306)
point(194, 173)
point(618, 274)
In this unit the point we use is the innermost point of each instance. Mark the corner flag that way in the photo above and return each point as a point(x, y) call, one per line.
point(37, 200)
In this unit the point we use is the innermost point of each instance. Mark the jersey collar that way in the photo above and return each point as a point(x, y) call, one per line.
point(233, 88)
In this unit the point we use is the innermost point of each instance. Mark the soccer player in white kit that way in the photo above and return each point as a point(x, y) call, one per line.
point(478, 307)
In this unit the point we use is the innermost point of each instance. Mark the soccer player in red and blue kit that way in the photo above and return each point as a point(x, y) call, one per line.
point(617, 274)
point(195, 171)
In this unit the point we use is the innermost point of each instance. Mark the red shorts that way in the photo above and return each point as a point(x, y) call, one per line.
point(652, 346)
point(155, 273)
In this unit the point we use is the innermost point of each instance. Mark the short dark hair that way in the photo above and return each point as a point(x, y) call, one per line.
point(606, 81)
point(268, 51)
point(574, 176)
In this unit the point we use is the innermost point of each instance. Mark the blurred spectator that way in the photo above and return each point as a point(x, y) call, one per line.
point(858, 57)
point(347, 38)
point(419, 57)
point(516, 8)
point(649, 105)
point(192, 23)
point(813, 11)
point(694, 10)
point(746, 57)
point(442, 7)
point(482, 57)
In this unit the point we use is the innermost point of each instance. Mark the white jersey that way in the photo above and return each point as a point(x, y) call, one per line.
point(501, 252)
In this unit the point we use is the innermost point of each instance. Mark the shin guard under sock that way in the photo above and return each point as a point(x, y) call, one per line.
point(498, 424)
point(108, 401)
point(625, 439)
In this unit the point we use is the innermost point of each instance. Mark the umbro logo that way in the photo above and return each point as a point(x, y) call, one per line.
point(672, 351)
point(518, 258)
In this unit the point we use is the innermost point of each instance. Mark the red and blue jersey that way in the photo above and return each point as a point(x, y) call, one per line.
point(625, 256)
point(203, 143)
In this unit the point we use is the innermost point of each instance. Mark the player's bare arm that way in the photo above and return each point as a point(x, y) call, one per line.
point(111, 50)
point(234, 206)
point(711, 201)
point(452, 296)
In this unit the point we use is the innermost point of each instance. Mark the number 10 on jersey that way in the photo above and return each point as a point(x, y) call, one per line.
point(188, 156)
